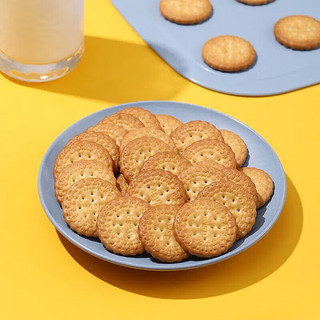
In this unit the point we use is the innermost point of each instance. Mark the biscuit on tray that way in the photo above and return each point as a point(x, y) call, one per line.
point(122, 184)
point(205, 228)
point(83, 201)
point(228, 53)
point(168, 123)
point(186, 11)
point(157, 233)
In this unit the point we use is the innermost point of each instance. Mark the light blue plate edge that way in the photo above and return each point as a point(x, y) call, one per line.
point(162, 267)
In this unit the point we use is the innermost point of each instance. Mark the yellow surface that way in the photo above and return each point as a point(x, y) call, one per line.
point(42, 276)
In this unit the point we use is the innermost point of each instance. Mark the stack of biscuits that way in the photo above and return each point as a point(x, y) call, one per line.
point(144, 182)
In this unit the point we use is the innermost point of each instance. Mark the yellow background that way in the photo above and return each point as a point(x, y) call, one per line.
point(43, 276)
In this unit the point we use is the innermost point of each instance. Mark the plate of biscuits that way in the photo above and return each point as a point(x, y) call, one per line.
point(160, 185)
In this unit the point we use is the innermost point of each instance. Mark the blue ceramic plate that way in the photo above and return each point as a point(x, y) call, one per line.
point(277, 68)
point(261, 156)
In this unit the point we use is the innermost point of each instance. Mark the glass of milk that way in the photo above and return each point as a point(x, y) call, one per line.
point(40, 40)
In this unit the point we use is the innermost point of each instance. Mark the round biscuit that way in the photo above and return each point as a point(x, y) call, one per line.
point(209, 149)
point(205, 228)
point(186, 11)
point(83, 201)
point(136, 152)
point(157, 187)
point(242, 180)
point(113, 131)
point(298, 32)
point(81, 150)
point(146, 132)
point(193, 131)
point(210, 163)
point(228, 53)
point(237, 145)
point(237, 200)
point(148, 119)
point(123, 120)
point(103, 139)
point(168, 123)
point(118, 225)
point(122, 184)
point(79, 170)
point(157, 233)
point(196, 178)
point(168, 161)
point(263, 183)
point(255, 2)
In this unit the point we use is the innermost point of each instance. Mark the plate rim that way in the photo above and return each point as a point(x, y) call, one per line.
point(160, 267)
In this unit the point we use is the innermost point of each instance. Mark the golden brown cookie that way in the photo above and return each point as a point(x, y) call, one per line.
point(114, 132)
point(118, 225)
point(255, 2)
point(205, 228)
point(157, 187)
point(123, 120)
point(103, 139)
point(196, 178)
point(263, 183)
point(210, 163)
point(168, 161)
point(83, 201)
point(81, 150)
point(228, 53)
point(209, 149)
point(146, 117)
point(298, 32)
point(168, 123)
point(193, 131)
point(157, 233)
point(122, 184)
point(242, 180)
point(237, 145)
point(79, 170)
point(136, 152)
point(186, 11)
point(146, 132)
point(238, 201)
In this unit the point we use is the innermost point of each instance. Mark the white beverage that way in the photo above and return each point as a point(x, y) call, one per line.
point(40, 31)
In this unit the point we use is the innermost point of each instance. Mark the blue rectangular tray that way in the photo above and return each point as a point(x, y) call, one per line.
point(277, 69)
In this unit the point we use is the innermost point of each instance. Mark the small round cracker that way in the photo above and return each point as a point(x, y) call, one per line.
point(168, 123)
point(205, 228)
point(136, 152)
point(237, 145)
point(114, 132)
point(123, 120)
point(237, 200)
point(103, 139)
point(193, 131)
point(244, 181)
point(79, 170)
point(146, 117)
point(298, 32)
point(157, 187)
point(255, 2)
point(157, 233)
point(146, 132)
point(209, 149)
point(168, 161)
point(196, 178)
point(262, 182)
point(122, 184)
point(81, 150)
point(228, 53)
point(83, 201)
point(186, 11)
point(118, 225)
